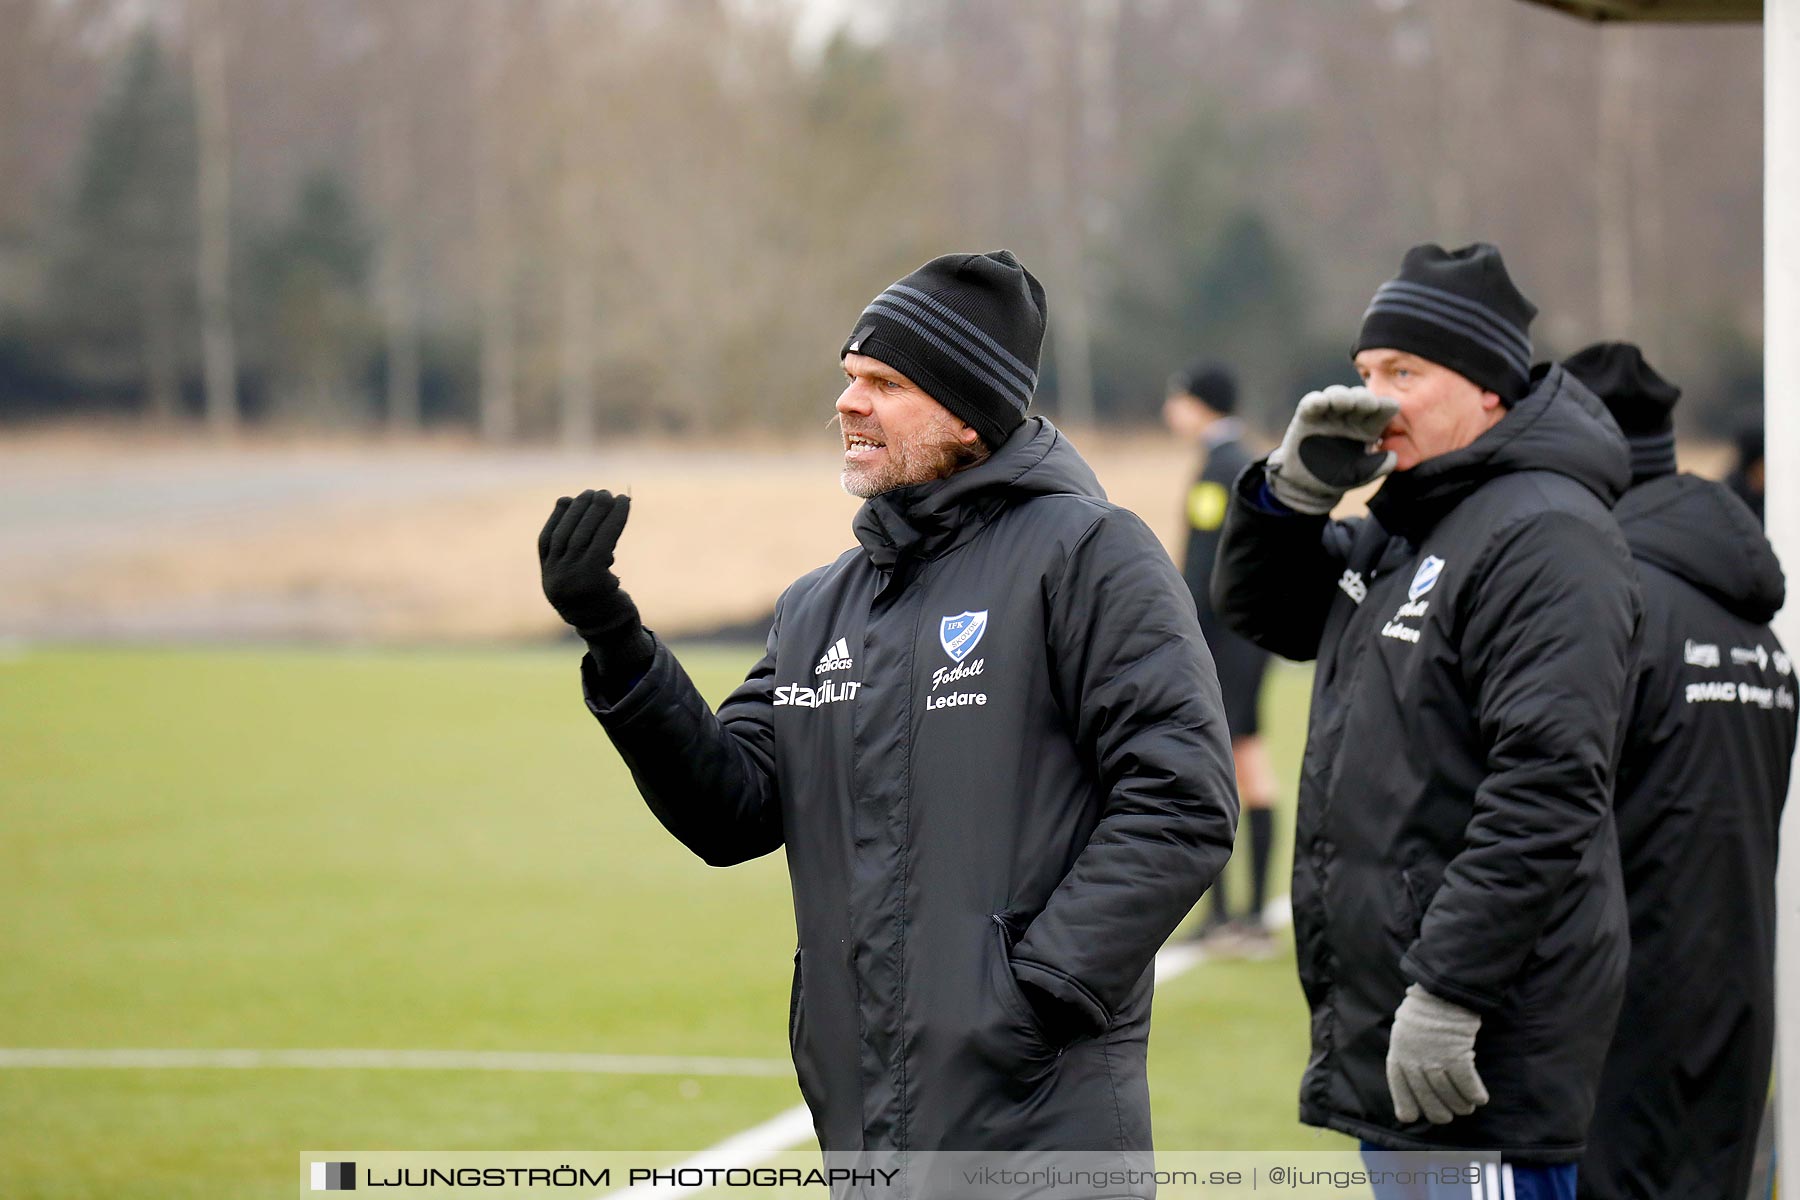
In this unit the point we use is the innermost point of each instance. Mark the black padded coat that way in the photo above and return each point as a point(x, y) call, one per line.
point(1701, 787)
point(991, 742)
point(1474, 637)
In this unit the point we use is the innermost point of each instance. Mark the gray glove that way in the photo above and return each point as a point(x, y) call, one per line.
point(1431, 1059)
point(1326, 450)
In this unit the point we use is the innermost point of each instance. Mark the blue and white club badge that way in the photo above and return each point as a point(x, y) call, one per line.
point(962, 633)
point(1426, 577)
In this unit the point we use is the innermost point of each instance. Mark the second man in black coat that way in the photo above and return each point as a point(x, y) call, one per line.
point(1458, 913)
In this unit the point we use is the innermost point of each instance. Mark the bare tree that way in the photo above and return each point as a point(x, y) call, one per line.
point(578, 200)
point(1647, 190)
point(162, 378)
point(218, 348)
point(49, 79)
point(1612, 182)
point(1056, 55)
point(606, 182)
point(1455, 58)
point(499, 334)
point(398, 200)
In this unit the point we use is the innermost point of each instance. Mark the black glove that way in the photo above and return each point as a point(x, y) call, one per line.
point(575, 551)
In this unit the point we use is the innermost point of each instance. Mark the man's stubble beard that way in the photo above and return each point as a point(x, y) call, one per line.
point(938, 458)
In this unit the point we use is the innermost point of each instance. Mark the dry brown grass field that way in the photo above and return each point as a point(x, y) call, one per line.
point(111, 535)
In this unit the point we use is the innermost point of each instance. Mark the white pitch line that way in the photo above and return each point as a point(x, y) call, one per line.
point(403, 1060)
point(1178, 959)
point(1279, 912)
point(783, 1131)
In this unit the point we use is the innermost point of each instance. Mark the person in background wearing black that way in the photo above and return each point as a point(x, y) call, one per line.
point(1201, 408)
point(1702, 778)
point(1746, 478)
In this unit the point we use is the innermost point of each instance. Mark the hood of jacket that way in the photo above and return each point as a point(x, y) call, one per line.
point(1558, 426)
point(925, 520)
point(1697, 530)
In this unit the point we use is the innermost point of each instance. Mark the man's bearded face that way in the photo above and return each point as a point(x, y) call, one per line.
point(894, 433)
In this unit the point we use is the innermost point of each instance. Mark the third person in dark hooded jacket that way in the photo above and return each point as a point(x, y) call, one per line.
point(1702, 779)
point(1459, 918)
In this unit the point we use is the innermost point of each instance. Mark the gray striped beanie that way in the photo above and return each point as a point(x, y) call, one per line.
point(967, 328)
point(1457, 308)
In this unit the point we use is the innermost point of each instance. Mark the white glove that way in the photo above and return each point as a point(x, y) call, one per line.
point(1431, 1059)
point(1326, 450)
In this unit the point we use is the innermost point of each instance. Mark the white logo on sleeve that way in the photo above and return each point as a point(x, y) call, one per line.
point(835, 658)
point(1699, 654)
point(1744, 657)
point(1749, 695)
point(1354, 587)
point(1426, 577)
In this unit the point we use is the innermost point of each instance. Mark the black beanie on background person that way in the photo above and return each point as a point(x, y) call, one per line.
point(1209, 382)
point(1639, 399)
point(967, 328)
point(1749, 440)
point(1459, 309)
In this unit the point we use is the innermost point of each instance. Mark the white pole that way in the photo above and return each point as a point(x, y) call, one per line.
point(1781, 418)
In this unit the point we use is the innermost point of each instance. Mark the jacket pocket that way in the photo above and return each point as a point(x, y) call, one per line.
point(1006, 984)
point(1411, 915)
point(805, 1071)
point(1417, 890)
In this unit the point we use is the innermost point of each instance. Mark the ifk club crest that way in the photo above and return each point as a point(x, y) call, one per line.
point(960, 634)
point(1426, 577)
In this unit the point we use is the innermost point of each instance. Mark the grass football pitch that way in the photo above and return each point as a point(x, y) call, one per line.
point(272, 850)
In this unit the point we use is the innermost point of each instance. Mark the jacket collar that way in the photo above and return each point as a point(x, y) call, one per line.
point(924, 521)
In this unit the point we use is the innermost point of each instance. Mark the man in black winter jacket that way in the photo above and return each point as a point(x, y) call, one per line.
point(1458, 914)
point(989, 738)
point(1701, 784)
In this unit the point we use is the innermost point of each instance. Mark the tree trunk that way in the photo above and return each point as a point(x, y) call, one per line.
point(493, 235)
point(1071, 334)
point(162, 384)
point(1449, 178)
point(1649, 251)
point(394, 184)
point(1612, 184)
point(218, 347)
point(578, 199)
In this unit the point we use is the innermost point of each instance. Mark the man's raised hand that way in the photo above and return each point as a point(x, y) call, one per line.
point(1326, 450)
point(575, 553)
